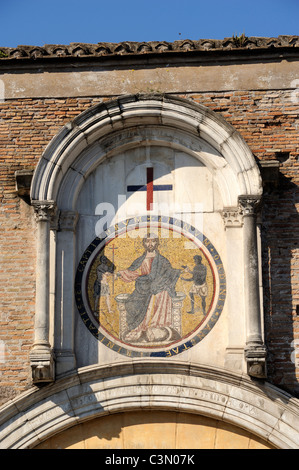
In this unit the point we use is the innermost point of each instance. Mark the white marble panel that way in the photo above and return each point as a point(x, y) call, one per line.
point(193, 184)
point(191, 199)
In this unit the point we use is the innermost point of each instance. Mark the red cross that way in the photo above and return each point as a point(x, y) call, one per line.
point(150, 188)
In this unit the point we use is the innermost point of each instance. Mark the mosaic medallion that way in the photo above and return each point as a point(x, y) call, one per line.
point(150, 286)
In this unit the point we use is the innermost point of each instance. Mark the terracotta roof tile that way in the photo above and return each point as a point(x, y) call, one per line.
point(153, 47)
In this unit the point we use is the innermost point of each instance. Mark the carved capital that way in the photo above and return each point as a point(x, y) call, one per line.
point(249, 205)
point(68, 220)
point(44, 210)
point(232, 217)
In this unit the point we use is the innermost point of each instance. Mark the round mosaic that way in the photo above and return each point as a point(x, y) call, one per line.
point(150, 286)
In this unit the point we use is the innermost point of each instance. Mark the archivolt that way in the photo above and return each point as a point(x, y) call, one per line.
point(63, 155)
point(95, 391)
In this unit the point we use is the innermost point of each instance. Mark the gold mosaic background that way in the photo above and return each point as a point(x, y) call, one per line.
point(178, 249)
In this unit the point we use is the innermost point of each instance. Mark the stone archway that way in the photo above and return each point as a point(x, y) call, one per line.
point(65, 162)
point(103, 132)
point(94, 392)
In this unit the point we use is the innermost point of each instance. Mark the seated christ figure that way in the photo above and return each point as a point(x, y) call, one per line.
point(149, 306)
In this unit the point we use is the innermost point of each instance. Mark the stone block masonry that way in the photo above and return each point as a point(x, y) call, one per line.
point(266, 119)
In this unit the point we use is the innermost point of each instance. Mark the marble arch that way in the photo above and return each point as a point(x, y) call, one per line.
point(102, 132)
point(92, 392)
point(64, 157)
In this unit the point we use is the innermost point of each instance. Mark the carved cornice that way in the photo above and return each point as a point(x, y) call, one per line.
point(81, 50)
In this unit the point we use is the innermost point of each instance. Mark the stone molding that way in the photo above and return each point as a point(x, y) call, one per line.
point(107, 49)
point(81, 145)
point(95, 391)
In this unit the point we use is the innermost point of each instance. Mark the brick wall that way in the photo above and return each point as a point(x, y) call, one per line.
point(268, 121)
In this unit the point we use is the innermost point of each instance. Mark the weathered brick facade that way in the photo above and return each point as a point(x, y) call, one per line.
point(268, 121)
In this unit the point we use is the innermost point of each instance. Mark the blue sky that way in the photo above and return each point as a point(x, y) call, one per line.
point(39, 22)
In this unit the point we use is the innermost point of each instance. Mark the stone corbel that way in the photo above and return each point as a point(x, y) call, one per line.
point(255, 350)
point(42, 363)
point(41, 355)
point(23, 183)
point(256, 361)
point(270, 173)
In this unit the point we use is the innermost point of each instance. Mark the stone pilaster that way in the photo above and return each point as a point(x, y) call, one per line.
point(64, 292)
point(233, 223)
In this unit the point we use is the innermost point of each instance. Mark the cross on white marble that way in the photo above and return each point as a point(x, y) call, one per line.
point(149, 187)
